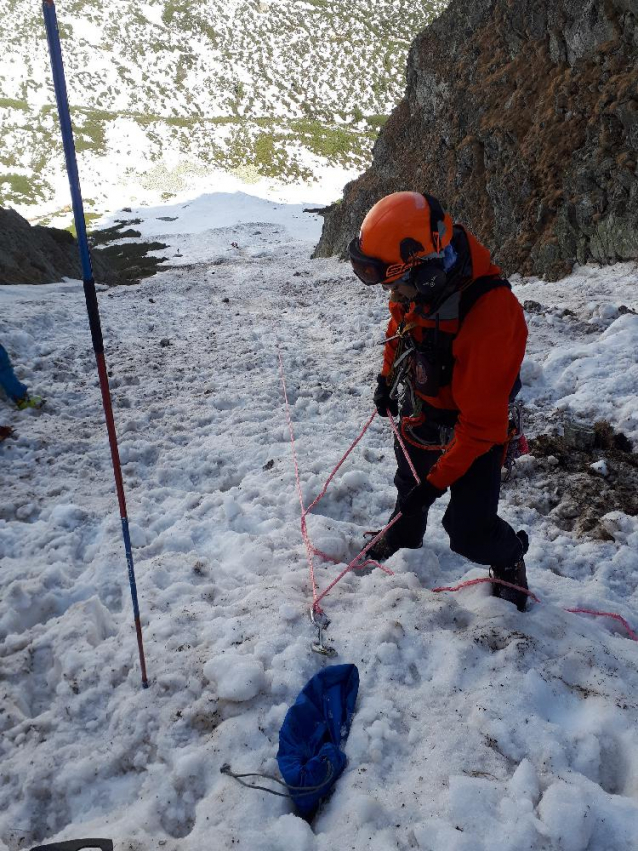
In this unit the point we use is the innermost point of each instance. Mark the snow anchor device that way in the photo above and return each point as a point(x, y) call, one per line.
point(322, 622)
point(59, 82)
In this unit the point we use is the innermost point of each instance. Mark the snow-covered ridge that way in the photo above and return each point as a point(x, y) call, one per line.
point(162, 90)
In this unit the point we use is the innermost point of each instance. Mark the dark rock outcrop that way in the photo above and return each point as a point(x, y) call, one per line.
point(522, 117)
point(40, 255)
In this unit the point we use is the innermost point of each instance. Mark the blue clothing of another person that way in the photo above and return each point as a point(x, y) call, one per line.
point(14, 389)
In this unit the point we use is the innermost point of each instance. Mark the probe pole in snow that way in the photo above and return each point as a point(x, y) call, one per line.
point(59, 82)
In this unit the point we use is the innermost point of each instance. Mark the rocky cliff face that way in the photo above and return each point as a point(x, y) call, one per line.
point(522, 117)
point(39, 255)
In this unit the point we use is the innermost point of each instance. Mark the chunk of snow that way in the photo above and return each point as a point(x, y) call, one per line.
point(237, 678)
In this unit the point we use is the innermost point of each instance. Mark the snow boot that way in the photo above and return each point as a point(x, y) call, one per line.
point(27, 402)
point(382, 550)
point(516, 574)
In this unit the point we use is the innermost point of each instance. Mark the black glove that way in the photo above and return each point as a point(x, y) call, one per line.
point(382, 398)
point(419, 499)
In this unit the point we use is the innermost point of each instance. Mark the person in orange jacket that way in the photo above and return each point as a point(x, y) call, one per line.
point(454, 346)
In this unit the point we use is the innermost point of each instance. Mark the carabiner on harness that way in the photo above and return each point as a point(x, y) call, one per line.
point(516, 441)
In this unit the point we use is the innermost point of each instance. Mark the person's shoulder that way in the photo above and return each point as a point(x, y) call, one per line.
point(494, 307)
point(499, 293)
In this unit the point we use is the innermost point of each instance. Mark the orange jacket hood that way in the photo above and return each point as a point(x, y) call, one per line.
point(480, 258)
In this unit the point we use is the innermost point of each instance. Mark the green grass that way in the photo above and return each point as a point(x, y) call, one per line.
point(88, 218)
point(334, 143)
point(262, 147)
point(90, 137)
point(11, 103)
point(22, 189)
point(376, 121)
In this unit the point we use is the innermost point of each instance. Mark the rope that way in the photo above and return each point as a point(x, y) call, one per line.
point(310, 548)
point(304, 532)
point(468, 583)
point(613, 615)
point(292, 791)
point(402, 445)
point(359, 566)
point(354, 565)
point(480, 581)
point(336, 469)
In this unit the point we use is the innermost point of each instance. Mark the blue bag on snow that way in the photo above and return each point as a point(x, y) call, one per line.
point(309, 757)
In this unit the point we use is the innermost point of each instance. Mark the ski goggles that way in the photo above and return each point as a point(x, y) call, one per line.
point(372, 270)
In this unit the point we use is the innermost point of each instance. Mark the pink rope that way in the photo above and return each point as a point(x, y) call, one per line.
point(311, 550)
point(353, 564)
point(613, 615)
point(402, 445)
point(481, 580)
point(336, 469)
point(304, 531)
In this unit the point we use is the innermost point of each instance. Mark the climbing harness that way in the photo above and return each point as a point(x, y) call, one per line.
point(317, 616)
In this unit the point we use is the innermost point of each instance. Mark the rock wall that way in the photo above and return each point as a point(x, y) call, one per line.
point(522, 117)
point(39, 255)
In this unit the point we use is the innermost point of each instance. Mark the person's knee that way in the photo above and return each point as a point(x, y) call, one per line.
point(403, 483)
point(466, 541)
point(471, 547)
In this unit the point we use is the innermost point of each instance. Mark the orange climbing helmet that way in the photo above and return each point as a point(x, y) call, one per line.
point(400, 232)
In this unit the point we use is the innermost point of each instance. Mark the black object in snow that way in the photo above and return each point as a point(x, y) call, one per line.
point(76, 845)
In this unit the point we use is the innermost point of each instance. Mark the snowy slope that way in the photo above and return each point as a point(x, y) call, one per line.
point(165, 90)
point(476, 727)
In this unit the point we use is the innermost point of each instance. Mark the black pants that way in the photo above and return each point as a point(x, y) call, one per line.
point(471, 519)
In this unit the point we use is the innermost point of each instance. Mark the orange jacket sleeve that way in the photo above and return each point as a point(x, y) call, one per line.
point(488, 352)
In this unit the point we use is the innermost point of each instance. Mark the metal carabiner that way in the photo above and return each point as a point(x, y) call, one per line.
point(321, 621)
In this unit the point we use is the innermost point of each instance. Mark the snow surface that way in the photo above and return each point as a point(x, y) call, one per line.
point(476, 727)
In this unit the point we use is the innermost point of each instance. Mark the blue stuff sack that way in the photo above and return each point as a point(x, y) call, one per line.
point(310, 759)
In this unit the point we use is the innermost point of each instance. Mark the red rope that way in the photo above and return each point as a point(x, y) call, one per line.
point(402, 445)
point(310, 548)
point(354, 565)
point(481, 580)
